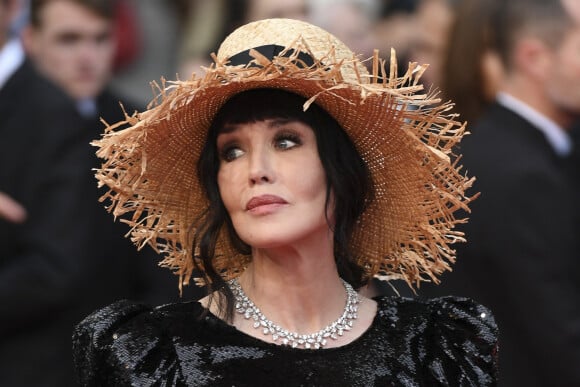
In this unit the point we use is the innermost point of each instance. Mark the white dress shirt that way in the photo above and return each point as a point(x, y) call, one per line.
point(556, 136)
point(11, 57)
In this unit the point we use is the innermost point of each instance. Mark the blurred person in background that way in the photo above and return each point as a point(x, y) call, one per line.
point(394, 28)
point(351, 21)
point(523, 259)
point(471, 69)
point(54, 266)
point(433, 19)
point(71, 43)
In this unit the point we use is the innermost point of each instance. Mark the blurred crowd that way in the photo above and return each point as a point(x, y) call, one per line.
point(511, 67)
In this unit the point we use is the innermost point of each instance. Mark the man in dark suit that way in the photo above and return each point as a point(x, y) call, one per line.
point(68, 257)
point(522, 258)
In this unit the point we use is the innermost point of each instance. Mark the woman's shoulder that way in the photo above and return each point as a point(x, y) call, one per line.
point(126, 332)
point(126, 315)
point(457, 336)
point(124, 318)
point(437, 310)
point(450, 315)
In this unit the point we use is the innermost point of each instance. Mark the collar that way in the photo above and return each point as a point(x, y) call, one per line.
point(11, 57)
point(556, 136)
point(87, 107)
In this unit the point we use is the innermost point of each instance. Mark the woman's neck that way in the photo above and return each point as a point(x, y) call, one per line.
point(299, 291)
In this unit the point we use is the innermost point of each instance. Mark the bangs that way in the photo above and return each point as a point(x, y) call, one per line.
point(263, 104)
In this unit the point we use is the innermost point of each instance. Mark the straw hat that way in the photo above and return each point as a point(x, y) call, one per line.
point(405, 137)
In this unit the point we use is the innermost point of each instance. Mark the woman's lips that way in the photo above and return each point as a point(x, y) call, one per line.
point(264, 200)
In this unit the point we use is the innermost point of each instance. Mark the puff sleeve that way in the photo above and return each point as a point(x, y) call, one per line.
point(462, 341)
point(93, 338)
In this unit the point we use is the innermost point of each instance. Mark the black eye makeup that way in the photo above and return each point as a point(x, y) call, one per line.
point(284, 136)
point(287, 139)
point(230, 151)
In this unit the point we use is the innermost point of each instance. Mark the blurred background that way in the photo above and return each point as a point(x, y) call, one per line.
point(175, 37)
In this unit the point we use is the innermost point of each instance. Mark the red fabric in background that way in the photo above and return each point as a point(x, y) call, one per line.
point(127, 35)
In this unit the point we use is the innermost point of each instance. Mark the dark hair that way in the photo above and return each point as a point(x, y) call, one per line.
point(103, 8)
point(470, 37)
point(547, 20)
point(347, 176)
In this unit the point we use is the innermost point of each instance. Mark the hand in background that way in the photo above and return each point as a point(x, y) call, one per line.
point(11, 210)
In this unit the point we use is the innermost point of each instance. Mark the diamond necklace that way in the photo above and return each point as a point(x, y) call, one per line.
point(315, 340)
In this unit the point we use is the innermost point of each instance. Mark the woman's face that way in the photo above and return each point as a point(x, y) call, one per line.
point(272, 182)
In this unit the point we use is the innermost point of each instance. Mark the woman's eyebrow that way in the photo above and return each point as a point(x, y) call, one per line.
point(276, 122)
point(271, 123)
point(227, 128)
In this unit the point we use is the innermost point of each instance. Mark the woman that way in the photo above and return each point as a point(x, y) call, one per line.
point(472, 69)
point(288, 177)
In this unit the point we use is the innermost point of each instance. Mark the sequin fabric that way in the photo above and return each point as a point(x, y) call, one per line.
point(445, 341)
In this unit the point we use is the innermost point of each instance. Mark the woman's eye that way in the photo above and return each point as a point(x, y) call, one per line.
point(287, 142)
point(231, 153)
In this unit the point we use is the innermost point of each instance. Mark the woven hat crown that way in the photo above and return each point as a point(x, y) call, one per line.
point(294, 33)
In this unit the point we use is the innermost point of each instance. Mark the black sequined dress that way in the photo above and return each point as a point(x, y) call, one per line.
point(439, 342)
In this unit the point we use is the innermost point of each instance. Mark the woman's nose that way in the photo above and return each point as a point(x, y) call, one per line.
point(260, 170)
